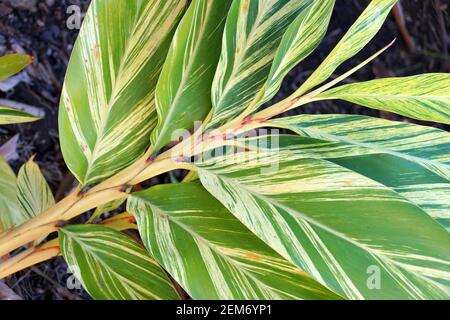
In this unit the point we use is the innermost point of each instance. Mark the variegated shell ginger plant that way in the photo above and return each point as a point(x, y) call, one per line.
point(343, 207)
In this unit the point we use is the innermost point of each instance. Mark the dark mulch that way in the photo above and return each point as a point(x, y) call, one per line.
point(39, 28)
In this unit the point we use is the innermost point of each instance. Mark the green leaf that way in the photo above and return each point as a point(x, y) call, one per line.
point(422, 97)
point(356, 38)
point(253, 33)
point(12, 64)
point(183, 93)
point(12, 116)
point(112, 266)
point(33, 192)
point(334, 223)
point(210, 253)
point(300, 40)
point(412, 159)
point(107, 107)
point(10, 211)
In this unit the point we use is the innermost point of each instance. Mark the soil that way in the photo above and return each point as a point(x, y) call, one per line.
point(39, 28)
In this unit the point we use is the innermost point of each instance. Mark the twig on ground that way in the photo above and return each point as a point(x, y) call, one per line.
point(399, 17)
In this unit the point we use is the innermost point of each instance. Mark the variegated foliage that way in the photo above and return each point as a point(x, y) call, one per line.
point(9, 66)
point(253, 62)
point(120, 222)
point(23, 197)
point(107, 107)
point(356, 38)
point(11, 116)
point(210, 253)
point(333, 222)
point(413, 160)
point(423, 97)
point(351, 195)
point(183, 94)
point(107, 207)
point(33, 192)
point(299, 41)
point(111, 265)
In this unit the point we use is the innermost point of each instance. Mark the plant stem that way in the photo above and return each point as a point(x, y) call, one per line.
point(115, 188)
point(30, 258)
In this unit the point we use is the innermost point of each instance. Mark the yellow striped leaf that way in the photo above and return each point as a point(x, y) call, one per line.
point(12, 64)
point(33, 192)
point(351, 233)
point(11, 116)
point(422, 97)
point(210, 253)
point(361, 32)
point(107, 107)
point(300, 40)
point(112, 266)
point(253, 33)
point(10, 210)
point(107, 207)
point(411, 159)
point(183, 93)
point(415, 182)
